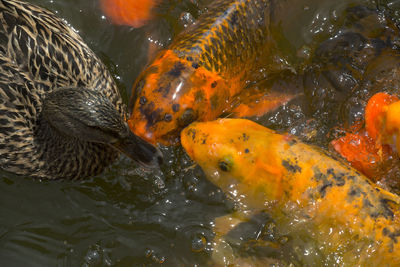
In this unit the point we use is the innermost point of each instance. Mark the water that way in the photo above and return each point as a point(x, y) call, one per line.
point(126, 216)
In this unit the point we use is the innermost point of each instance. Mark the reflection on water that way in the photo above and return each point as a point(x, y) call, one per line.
point(128, 216)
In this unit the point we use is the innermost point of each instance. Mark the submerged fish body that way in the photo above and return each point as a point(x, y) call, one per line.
point(133, 13)
point(204, 71)
point(347, 215)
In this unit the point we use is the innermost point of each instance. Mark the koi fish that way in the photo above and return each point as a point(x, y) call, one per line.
point(133, 13)
point(352, 220)
point(204, 72)
point(367, 148)
point(382, 119)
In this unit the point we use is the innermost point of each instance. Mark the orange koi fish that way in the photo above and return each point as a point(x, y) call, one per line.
point(205, 72)
point(366, 149)
point(354, 222)
point(133, 13)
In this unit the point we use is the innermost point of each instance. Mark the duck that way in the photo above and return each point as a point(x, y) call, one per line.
point(61, 114)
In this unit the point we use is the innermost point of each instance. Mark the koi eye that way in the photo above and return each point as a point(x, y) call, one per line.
point(187, 117)
point(224, 166)
point(167, 117)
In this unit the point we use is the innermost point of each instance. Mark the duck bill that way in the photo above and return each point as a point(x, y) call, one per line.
point(140, 150)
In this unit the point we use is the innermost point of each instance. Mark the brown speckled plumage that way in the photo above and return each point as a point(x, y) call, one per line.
point(38, 54)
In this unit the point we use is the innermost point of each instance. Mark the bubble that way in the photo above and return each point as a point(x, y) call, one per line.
point(199, 242)
point(94, 256)
point(148, 253)
point(186, 19)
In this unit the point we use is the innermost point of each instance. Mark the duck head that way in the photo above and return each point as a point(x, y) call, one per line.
point(90, 116)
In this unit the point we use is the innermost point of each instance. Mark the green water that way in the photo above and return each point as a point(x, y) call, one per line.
point(127, 216)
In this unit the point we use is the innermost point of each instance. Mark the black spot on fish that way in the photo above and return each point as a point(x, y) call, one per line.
point(151, 114)
point(390, 234)
point(213, 84)
point(367, 203)
point(192, 132)
point(245, 137)
point(387, 211)
point(291, 167)
point(339, 178)
point(142, 100)
point(164, 90)
point(189, 59)
point(195, 65)
point(323, 188)
point(175, 107)
point(318, 176)
point(246, 150)
point(354, 192)
point(385, 231)
point(176, 71)
point(394, 236)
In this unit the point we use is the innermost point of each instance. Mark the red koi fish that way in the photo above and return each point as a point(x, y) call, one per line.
point(133, 13)
point(368, 148)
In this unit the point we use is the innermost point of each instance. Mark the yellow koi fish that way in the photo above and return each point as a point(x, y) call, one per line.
point(351, 219)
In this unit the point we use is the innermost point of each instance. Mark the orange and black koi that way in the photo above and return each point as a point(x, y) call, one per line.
point(204, 72)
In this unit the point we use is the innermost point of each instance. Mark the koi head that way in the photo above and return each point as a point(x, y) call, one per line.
point(230, 151)
point(169, 95)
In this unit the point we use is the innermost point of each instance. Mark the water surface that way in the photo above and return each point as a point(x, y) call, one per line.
point(128, 216)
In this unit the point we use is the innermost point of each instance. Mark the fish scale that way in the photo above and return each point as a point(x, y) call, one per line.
point(261, 170)
point(205, 71)
point(230, 21)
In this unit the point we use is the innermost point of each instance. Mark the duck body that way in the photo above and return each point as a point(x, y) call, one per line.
point(40, 56)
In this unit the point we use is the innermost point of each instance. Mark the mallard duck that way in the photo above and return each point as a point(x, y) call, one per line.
point(61, 115)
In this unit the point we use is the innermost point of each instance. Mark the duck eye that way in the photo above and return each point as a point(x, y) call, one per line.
point(224, 166)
